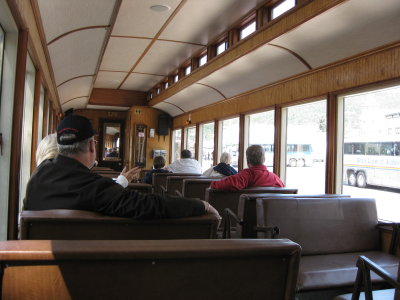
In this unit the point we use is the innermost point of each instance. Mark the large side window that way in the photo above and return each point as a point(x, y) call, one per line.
point(229, 139)
point(371, 148)
point(190, 140)
point(176, 144)
point(2, 38)
point(260, 131)
point(305, 145)
point(206, 147)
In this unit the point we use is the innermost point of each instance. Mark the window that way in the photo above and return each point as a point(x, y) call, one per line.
point(166, 85)
point(1, 56)
point(305, 143)
point(206, 147)
point(248, 29)
point(282, 7)
point(190, 140)
point(176, 144)
point(27, 119)
point(158, 90)
point(229, 139)
point(260, 130)
point(188, 70)
point(222, 47)
point(203, 60)
point(176, 78)
point(41, 115)
point(370, 159)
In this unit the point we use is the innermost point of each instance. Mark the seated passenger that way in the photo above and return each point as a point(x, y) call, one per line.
point(255, 175)
point(223, 169)
point(48, 149)
point(66, 182)
point(158, 167)
point(186, 164)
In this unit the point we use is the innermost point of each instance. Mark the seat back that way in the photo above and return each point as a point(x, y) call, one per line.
point(160, 180)
point(230, 199)
point(141, 187)
point(196, 187)
point(323, 225)
point(175, 269)
point(64, 224)
point(175, 183)
point(247, 210)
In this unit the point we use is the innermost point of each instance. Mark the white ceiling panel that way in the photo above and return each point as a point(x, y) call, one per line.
point(109, 80)
point(172, 110)
point(78, 103)
point(141, 82)
point(76, 54)
point(75, 88)
point(135, 18)
point(195, 96)
point(164, 56)
point(353, 27)
point(204, 20)
point(61, 16)
point(265, 65)
point(122, 108)
point(122, 53)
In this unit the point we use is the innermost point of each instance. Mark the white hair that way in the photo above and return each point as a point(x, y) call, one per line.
point(225, 158)
point(47, 148)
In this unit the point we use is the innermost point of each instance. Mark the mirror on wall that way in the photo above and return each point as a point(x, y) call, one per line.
point(112, 142)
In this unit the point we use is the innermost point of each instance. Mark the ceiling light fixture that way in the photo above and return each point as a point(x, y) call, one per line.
point(160, 8)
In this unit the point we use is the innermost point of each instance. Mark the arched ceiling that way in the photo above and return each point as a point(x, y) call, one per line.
point(124, 45)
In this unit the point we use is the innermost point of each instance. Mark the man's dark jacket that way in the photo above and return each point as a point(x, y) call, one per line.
point(64, 183)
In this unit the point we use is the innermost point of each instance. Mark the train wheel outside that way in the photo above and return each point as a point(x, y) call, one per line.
point(301, 163)
point(292, 162)
point(361, 180)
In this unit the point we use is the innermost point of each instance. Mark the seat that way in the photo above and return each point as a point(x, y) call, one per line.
point(150, 270)
point(196, 187)
point(160, 180)
point(141, 187)
point(65, 224)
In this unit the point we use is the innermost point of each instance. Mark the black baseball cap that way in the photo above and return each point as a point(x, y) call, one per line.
point(74, 128)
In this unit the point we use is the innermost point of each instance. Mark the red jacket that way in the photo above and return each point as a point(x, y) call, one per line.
point(251, 177)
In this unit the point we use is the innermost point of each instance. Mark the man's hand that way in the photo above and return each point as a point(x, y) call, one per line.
point(210, 209)
point(130, 174)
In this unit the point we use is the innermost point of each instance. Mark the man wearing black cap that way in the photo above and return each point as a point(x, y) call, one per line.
point(66, 182)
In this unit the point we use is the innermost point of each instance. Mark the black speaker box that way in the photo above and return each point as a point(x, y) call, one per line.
point(164, 123)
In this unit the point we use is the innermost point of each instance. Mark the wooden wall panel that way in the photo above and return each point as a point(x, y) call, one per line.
point(114, 97)
point(373, 67)
point(149, 117)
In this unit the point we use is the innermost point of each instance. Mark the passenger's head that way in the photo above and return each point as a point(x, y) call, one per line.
point(47, 148)
point(225, 158)
point(255, 155)
point(75, 137)
point(159, 162)
point(186, 154)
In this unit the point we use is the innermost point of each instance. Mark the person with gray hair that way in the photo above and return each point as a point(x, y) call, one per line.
point(66, 182)
point(47, 148)
point(223, 169)
point(186, 164)
point(255, 175)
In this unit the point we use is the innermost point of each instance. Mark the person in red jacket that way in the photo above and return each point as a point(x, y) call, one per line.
point(255, 175)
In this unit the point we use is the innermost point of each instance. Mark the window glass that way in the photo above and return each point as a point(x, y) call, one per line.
point(166, 85)
point(1, 55)
point(260, 130)
point(282, 8)
point(206, 147)
point(371, 151)
point(222, 47)
point(190, 140)
point(229, 133)
point(203, 60)
point(27, 120)
point(306, 147)
point(176, 78)
point(248, 29)
point(176, 144)
point(40, 116)
point(188, 70)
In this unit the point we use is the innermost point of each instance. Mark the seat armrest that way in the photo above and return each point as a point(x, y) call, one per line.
point(227, 216)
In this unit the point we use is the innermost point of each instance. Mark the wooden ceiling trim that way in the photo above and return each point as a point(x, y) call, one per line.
point(106, 41)
point(73, 78)
point(276, 28)
point(76, 30)
point(301, 59)
point(174, 105)
point(213, 88)
point(171, 17)
point(163, 40)
point(114, 97)
point(72, 99)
